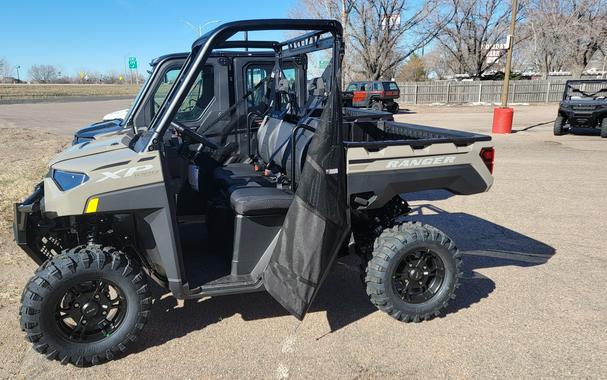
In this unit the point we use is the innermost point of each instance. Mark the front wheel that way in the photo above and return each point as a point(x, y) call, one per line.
point(604, 128)
point(559, 126)
point(86, 305)
point(413, 273)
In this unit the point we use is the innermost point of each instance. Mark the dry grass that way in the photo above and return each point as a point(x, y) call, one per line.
point(25, 154)
point(41, 91)
point(9, 294)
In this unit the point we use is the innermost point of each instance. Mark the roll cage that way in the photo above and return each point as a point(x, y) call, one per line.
point(315, 39)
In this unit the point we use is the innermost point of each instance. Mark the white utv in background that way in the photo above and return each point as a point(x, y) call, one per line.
point(274, 215)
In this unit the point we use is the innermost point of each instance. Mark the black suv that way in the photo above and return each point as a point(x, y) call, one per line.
point(584, 105)
point(377, 95)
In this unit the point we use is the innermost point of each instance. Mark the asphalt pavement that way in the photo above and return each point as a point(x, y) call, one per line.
point(531, 303)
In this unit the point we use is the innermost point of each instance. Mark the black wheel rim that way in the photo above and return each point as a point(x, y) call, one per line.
point(90, 311)
point(418, 276)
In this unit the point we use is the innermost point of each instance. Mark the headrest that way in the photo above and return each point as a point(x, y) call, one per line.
point(283, 85)
point(317, 87)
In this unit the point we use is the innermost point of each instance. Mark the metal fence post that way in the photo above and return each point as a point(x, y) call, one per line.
point(480, 91)
point(548, 92)
point(415, 95)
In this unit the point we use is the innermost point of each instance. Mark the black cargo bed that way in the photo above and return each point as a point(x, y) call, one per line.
point(379, 134)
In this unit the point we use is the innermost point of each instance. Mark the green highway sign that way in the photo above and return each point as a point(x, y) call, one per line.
point(323, 63)
point(132, 63)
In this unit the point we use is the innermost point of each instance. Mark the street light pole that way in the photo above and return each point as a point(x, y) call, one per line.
point(17, 68)
point(198, 30)
point(506, 86)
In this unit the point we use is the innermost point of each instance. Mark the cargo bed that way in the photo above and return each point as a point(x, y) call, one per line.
point(387, 158)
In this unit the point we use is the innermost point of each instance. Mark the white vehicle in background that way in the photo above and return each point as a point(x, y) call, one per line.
point(116, 115)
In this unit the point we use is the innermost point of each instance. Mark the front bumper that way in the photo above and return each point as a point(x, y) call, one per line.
point(26, 213)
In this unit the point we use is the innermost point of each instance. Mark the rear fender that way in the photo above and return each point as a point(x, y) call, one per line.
point(394, 170)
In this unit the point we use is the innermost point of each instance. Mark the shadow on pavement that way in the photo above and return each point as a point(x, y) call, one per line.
point(405, 111)
point(343, 297)
point(485, 245)
point(532, 126)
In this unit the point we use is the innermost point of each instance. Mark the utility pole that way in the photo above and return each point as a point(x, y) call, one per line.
point(510, 41)
point(503, 116)
point(17, 68)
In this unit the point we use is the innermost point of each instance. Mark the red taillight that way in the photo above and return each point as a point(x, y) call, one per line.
point(488, 155)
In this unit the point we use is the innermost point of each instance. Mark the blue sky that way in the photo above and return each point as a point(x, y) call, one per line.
point(98, 35)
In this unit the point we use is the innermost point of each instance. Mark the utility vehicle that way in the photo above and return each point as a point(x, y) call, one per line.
point(584, 105)
point(313, 181)
point(377, 95)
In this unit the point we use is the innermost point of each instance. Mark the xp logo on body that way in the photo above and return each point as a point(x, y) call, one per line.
point(125, 172)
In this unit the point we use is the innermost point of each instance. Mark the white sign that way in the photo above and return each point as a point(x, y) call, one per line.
point(391, 22)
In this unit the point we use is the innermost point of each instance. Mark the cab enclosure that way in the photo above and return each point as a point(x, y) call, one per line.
point(228, 81)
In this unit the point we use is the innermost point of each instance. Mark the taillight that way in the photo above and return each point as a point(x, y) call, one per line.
point(488, 155)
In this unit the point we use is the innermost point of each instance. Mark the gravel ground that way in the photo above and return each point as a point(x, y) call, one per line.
point(531, 303)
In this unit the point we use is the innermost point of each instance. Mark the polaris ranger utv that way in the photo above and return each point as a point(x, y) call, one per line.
point(584, 105)
point(314, 181)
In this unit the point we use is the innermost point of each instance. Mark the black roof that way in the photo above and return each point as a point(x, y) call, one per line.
point(227, 30)
point(216, 53)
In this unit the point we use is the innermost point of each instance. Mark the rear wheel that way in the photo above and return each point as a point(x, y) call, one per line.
point(604, 128)
point(86, 305)
point(413, 273)
point(377, 106)
point(394, 108)
point(559, 126)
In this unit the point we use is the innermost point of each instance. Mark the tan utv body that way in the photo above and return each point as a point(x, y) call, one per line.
point(212, 212)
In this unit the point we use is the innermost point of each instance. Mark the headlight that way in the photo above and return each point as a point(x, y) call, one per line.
point(68, 180)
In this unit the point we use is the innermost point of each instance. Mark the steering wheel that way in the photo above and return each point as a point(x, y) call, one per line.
point(191, 135)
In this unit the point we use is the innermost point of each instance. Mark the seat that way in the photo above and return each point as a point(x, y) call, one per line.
point(230, 174)
point(253, 201)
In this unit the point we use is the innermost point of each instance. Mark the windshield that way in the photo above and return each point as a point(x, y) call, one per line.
point(586, 90)
point(146, 136)
point(138, 98)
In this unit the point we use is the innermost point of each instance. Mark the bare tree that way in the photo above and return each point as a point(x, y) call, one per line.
point(379, 28)
point(545, 48)
point(476, 26)
point(588, 32)
point(43, 73)
point(6, 69)
point(336, 9)
point(565, 34)
point(437, 63)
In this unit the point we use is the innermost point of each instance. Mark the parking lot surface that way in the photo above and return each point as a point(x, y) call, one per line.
point(531, 303)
